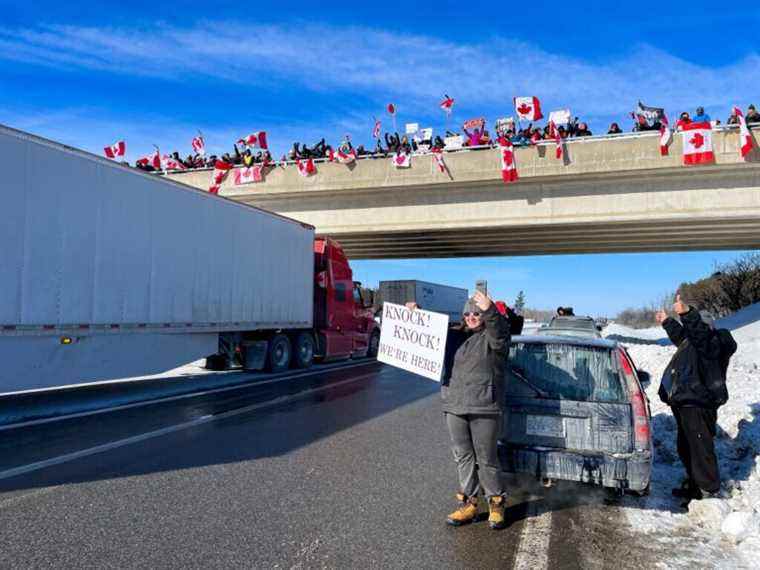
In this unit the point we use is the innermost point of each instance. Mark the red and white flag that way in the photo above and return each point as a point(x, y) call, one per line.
point(376, 130)
point(306, 167)
point(391, 109)
point(257, 139)
point(116, 150)
point(665, 135)
point(248, 175)
point(199, 146)
point(554, 132)
point(745, 137)
point(402, 160)
point(342, 156)
point(171, 163)
point(697, 143)
point(508, 164)
point(447, 104)
point(528, 108)
point(154, 159)
point(221, 169)
point(535, 138)
point(438, 159)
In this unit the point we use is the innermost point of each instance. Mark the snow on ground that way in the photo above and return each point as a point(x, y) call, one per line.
point(715, 533)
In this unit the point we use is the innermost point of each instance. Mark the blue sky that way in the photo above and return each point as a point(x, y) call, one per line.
point(90, 73)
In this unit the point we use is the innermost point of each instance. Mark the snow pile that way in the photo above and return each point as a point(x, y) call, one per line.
point(727, 530)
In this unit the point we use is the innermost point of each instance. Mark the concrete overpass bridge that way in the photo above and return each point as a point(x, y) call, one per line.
point(609, 194)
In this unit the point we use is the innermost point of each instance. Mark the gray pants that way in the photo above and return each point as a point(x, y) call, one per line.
point(473, 439)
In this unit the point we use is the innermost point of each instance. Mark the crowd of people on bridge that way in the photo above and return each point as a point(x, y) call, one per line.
point(423, 142)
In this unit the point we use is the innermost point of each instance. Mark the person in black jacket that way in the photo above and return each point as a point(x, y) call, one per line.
point(694, 386)
point(472, 393)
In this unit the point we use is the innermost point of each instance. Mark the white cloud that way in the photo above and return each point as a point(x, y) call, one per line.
point(381, 64)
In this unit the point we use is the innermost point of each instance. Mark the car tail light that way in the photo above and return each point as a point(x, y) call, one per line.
point(641, 430)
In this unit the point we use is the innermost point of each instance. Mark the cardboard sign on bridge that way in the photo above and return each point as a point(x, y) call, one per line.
point(413, 340)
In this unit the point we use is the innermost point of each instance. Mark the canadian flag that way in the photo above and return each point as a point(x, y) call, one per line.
point(528, 108)
point(306, 167)
point(665, 135)
point(199, 146)
point(376, 130)
point(391, 109)
point(402, 160)
point(170, 163)
point(257, 139)
point(438, 159)
point(554, 132)
point(447, 104)
point(342, 156)
point(697, 143)
point(508, 164)
point(221, 169)
point(154, 159)
point(745, 137)
point(248, 175)
point(116, 150)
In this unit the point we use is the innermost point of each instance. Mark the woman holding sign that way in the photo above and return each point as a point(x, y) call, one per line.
point(472, 390)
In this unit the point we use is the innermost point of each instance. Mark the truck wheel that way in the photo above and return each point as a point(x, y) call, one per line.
point(303, 355)
point(278, 356)
point(374, 344)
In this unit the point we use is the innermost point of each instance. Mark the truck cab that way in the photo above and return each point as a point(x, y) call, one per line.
point(343, 319)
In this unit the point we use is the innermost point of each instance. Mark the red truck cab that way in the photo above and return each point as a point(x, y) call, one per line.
point(343, 320)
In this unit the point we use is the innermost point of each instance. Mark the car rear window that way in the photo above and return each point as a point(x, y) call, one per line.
point(572, 324)
point(564, 372)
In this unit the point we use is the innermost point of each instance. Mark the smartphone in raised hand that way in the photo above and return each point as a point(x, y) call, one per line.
point(482, 286)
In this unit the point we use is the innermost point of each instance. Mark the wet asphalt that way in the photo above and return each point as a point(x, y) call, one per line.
point(354, 473)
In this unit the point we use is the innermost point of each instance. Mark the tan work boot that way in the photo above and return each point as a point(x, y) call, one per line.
point(466, 512)
point(496, 512)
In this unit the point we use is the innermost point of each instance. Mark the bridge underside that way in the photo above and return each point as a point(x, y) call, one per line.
point(611, 237)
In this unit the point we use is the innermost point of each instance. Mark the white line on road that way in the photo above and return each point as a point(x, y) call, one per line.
point(238, 386)
point(533, 546)
point(36, 466)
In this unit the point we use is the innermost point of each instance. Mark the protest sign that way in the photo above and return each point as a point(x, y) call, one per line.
point(413, 340)
point(560, 117)
point(504, 124)
point(412, 128)
point(453, 143)
point(474, 123)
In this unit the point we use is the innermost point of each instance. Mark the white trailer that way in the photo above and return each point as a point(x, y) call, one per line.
point(429, 296)
point(108, 272)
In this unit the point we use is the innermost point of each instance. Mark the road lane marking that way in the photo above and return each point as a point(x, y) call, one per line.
point(37, 465)
point(240, 386)
point(533, 546)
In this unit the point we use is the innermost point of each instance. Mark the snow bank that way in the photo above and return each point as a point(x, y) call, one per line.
point(727, 530)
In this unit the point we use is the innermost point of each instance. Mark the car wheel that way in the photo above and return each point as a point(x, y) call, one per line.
point(278, 355)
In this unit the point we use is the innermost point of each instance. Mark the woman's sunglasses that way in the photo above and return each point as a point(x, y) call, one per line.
point(471, 314)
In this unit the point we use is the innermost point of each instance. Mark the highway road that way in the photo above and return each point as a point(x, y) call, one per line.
point(343, 468)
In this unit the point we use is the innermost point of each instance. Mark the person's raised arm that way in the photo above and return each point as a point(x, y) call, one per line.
point(496, 324)
point(699, 333)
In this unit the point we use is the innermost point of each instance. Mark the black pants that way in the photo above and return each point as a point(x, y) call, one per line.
point(696, 430)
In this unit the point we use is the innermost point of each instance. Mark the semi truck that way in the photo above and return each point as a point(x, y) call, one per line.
point(108, 272)
point(429, 296)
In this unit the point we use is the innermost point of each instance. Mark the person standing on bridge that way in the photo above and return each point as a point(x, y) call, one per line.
point(472, 392)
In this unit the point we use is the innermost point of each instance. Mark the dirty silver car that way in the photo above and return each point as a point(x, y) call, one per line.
point(572, 326)
point(575, 410)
